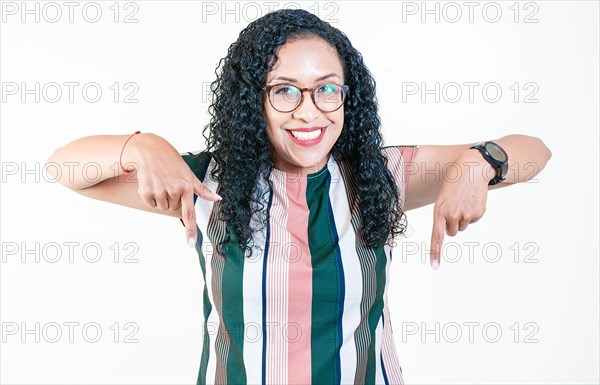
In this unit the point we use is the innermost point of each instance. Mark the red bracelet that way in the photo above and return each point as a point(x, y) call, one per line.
point(121, 157)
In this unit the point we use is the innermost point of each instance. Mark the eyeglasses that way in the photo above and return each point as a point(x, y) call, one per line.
point(328, 97)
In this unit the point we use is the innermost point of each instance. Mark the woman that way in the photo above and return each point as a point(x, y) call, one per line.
point(294, 206)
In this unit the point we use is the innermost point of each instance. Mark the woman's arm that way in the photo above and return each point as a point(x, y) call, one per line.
point(456, 178)
point(433, 164)
point(98, 153)
point(160, 182)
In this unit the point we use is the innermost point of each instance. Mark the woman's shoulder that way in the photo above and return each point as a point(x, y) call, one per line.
point(399, 158)
point(406, 152)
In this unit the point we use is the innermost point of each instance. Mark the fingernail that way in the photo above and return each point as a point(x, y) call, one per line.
point(217, 195)
point(435, 265)
point(191, 242)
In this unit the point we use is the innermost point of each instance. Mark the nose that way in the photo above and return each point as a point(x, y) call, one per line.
point(307, 110)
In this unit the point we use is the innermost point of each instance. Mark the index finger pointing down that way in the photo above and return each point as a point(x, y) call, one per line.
point(437, 239)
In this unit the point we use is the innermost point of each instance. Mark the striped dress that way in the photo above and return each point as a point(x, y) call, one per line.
point(310, 306)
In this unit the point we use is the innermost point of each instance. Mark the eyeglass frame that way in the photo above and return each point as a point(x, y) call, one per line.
point(268, 88)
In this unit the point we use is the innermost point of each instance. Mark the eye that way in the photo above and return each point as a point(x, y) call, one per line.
point(285, 90)
point(328, 88)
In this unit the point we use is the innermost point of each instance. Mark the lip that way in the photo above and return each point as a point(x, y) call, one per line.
point(307, 143)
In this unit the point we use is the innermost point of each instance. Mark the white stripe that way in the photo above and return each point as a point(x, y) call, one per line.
point(378, 339)
point(352, 272)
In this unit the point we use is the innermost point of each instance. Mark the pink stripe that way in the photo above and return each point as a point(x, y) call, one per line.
point(277, 286)
point(408, 154)
point(300, 285)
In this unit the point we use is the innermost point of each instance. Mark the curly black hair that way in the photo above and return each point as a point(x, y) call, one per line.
point(238, 140)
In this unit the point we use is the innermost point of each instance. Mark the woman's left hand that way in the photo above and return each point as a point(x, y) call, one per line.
point(461, 201)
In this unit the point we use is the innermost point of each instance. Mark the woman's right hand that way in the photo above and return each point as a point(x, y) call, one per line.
point(160, 182)
point(165, 181)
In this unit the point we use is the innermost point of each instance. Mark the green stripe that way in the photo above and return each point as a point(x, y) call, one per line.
point(233, 308)
point(326, 282)
point(376, 311)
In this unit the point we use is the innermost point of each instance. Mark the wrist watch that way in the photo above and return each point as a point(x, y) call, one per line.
point(496, 156)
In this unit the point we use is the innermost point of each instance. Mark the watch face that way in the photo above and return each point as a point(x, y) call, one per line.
point(496, 151)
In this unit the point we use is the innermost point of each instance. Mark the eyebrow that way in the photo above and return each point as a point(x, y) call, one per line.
point(295, 80)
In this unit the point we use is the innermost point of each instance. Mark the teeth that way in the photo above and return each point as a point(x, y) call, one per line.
point(306, 135)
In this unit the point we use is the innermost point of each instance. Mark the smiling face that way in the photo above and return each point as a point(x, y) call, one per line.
point(304, 62)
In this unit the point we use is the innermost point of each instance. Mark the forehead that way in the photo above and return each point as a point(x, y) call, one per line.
point(305, 60)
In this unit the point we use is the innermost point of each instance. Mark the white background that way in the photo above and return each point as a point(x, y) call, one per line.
point(171, 54)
